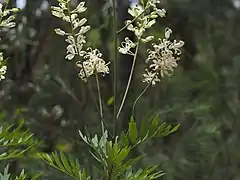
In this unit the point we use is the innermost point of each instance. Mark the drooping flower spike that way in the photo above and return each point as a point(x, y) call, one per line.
point(90, 60)
point(7, 17)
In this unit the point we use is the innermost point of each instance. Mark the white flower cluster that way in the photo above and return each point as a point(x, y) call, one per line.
point(7, 17)
point(92, 62)
point(143, 22)
point(3, 68)
point(75, 39)
point(127, 46)
point(163, 58)
point(165, 54)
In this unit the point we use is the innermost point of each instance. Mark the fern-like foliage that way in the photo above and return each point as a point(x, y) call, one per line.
point(14, 142)
point(22, 176)
point(149, 129)
point(65, 164)
point(145, 174)
point(113, 155)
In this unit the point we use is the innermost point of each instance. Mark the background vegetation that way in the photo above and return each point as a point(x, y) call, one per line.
point(202, 95)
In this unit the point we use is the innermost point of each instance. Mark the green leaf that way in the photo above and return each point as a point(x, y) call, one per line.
point(127, 165)
point(62, 163)
point(13, 154)
point(167, 130)
point(132, 131)
point(110, 153)
point(65, 163)
point(145, 174)
point(57, 161)
point(35, 177)
point(22, 176)
point(162, 127)
point(121, 156)
point(144, 130)
point(5, 175)
point(154, 126)
point(174, 129)
point(124, 140)
point(84, 138)
point(103, 140)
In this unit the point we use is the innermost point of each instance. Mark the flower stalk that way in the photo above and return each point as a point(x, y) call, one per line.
point(90, 61)
point(133, 20)
point(162, 58)
point(99, 95)
point(141, 94)
point(129, 79)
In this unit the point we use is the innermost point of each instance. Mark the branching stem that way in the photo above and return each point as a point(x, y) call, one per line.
point(123, 28)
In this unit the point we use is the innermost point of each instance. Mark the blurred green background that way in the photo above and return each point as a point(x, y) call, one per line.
point(202, 95)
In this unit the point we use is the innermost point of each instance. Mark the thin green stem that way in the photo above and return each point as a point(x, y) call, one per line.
point(134, 19)
point(100, 105)
point(73, 34)
point(99, 95)
point(141, 94)
point(88, 82)
point(129, 79)
point(115, 65)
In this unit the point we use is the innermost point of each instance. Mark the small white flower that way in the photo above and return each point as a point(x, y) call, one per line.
point(150, 23)
point(63, 6)
point(70, 56)
point(67, 19)
point(80, 8)
point(58, 9)
point(84, 29)
point(93, 64)
point(60, 32)
point(78, 23)
point(147, 39)
point(8, 23)
point(161, 12)
point(74, 16)
point(3, 71)
point(127, 46)
point(153, 2)
point(168, 32)
point(3, 68)
point(58, 14)
point(81, 39)
point(136, 10)
point(150, 77)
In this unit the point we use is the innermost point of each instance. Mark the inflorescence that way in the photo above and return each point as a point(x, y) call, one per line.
point(90, 59)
